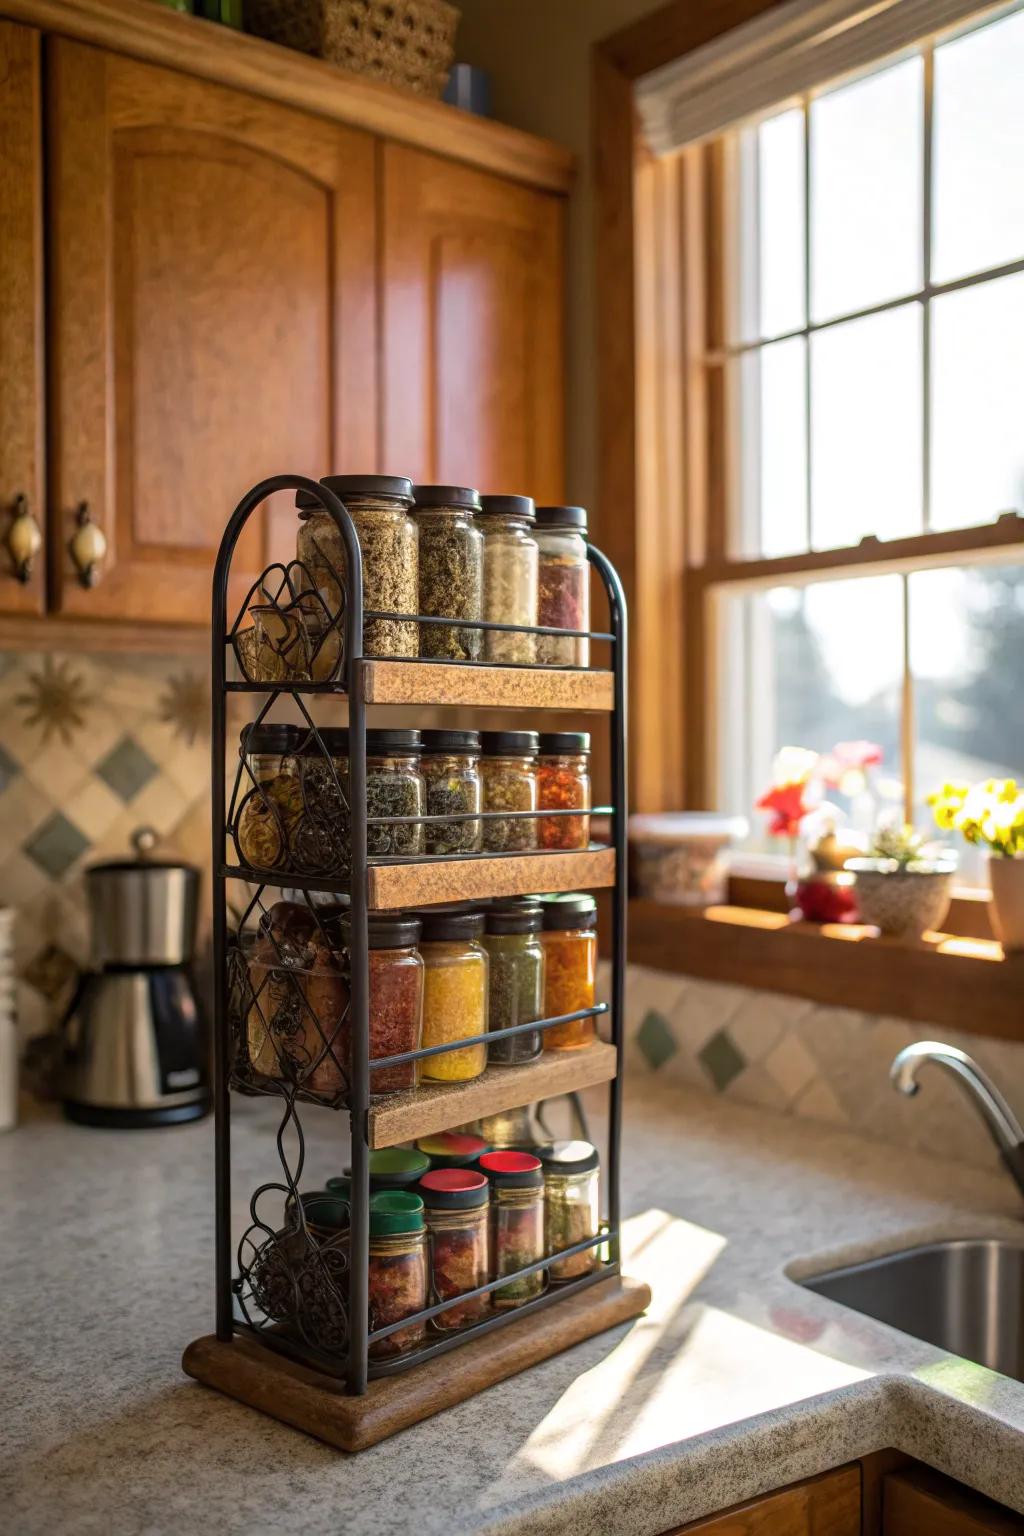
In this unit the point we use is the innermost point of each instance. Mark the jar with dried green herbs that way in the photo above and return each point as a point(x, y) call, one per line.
point(451, 570)
point(454, 992)
point(563, 585)
point(517, 1223)
point(269, 794)
point(296, 1001)
point(563, 784)
point(394, 787)
point(510, 576)
point(379, 507)
point(516, 983)
point(320, 843)
point(571, 1214)
point(458, 1221)
point(397, 1277)
point(451, 770)
point(508, 768)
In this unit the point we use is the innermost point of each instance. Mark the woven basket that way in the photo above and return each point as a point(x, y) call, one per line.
point(404, 42)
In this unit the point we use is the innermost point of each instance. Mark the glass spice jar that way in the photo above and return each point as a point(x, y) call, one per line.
point(508, 769)
point(457, 1202)
point(451, 771)
point(451, 570)
point(452, 1149)
point(563, 784)
point(517, 1223)
point(395, 998)
point(563, 585)
point(271, 794)
point(397, 1270)
point(297, 997)
point(320, 843)
point(516, 990)
point(510, 576)
point(569, 940)
point(394, 787)
point(454, 992)
point(571, 1213)
point(379, 507)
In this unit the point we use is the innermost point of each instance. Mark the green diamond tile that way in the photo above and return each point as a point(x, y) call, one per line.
point(50, 971)
point(127, 769)
point(56, 845)
point(721, 1059)
point(9, 770)
point(656, 1040)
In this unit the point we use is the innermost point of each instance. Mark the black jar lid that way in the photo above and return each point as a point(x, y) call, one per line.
point(569, 743)
point(512, 1170)
point(571, 910)
point(459, 920)
point(509, 743)
point(517, 917)
point(395, 486)
point(334, 738)
point(450, 741)
point(509, 506)
point(388, 742)
point(273, 740)
point(427, 496)
point(385, 930)
point(454, 1189)
point(568, 1157)
point(562, 517)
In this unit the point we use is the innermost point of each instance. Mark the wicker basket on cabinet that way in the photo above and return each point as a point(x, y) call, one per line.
point(402, 42)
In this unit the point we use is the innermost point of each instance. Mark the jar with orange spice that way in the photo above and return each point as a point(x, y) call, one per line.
point(563, 784)
point(569, 941)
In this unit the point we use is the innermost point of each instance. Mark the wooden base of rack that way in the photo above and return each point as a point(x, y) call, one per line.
point(318, 1404)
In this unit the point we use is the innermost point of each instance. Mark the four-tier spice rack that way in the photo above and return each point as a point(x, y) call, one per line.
point(293, 1329)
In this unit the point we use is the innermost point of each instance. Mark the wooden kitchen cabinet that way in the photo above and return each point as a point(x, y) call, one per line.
point(472, 304)
point(22, 481)
point(917, 1500)
point(212, 309)
point(829, 1505)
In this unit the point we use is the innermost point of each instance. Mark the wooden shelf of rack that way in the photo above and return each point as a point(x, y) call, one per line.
point(428, 682)
point(438, 1106)
point(416, 884)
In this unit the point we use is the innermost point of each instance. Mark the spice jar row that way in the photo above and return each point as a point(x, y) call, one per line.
point(436, 977)
point(292, 813)
point(442, 552)
point(459, 1227)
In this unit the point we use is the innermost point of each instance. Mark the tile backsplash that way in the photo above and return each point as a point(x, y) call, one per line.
point(91, 748)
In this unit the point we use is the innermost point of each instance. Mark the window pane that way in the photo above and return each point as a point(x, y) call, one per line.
point(774, 440)
point(780, 143)
point(978, 403)
point(967, 659)
point(866, 167)
point(866, 428)
point(979, 146)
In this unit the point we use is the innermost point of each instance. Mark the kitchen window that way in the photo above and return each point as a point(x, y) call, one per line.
point(861, 371)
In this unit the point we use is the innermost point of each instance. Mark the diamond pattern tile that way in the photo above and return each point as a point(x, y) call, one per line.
point(9, 770)
point(56, 845)
point(721, 1059)
point(127, 769)
point(655, 1040)
point(50, 970)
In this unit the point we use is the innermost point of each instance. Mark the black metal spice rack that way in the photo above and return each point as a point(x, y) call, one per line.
point(302, 1296)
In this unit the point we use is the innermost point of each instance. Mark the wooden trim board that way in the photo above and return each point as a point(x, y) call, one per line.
point(418, 682)
point(438, 1106)
point(317, 1404)
point(413, 884)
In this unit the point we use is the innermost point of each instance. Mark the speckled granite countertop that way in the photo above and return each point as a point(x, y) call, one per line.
point(738, 1381)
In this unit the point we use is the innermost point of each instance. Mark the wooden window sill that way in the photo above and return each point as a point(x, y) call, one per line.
point(956, 980)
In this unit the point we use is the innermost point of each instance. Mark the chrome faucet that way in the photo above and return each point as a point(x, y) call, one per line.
point(1004, 1127)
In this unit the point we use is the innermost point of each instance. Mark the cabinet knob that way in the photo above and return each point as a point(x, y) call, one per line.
point(88, 546)
point(24, 540)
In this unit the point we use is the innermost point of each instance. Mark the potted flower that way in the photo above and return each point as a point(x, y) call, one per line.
point(904, 884)
point(991, 815)
point(794, 802)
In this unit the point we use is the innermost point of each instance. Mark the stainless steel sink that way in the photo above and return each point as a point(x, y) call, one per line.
point(966, 1296)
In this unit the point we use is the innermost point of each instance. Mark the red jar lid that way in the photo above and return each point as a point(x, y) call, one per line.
point(452, 1149)
point(453, 1189)
point(508, 1169)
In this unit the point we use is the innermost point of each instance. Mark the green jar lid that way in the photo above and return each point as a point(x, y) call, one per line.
point(390, 1168)
point(326, 1208)
point(452, 1149)
point(393, 1211)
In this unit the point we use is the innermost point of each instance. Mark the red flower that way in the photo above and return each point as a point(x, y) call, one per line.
point(788, 807)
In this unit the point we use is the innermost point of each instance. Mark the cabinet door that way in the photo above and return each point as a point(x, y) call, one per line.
point(824, 1506)
point(213, 321)
point(473, 301)
point(21, 311)
point(920, 1500)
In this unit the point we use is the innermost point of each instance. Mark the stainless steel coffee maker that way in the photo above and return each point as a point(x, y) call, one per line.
point(135, 1046)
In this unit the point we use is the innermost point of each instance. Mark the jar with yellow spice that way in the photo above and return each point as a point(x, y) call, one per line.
point(454, 992)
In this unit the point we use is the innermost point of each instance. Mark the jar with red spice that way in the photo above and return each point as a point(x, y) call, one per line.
point(458, 1226)
point(569, 942)
point(397, 1271)
point(395, 998)
point(563, 784)
point(563, 585)
point(517, 1224)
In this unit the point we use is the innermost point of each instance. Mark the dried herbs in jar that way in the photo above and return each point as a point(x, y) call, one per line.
point(394, 787)
point(563, 585)
point(270, 795)
point(450, 570)
point(571, 1215)
point(516, 988)
point(508, 769)
point(397, 1275)
point(458, 1224)
point(451, 770)
point(510, 576)
point(517, 1223)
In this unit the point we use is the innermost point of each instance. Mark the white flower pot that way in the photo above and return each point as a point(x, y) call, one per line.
point(1006, 877)
point(901, 903)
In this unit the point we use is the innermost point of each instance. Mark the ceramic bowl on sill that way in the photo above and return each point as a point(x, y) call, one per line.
point(903, 900)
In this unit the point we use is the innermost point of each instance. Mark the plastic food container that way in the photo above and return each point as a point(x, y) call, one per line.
point(678, 858)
